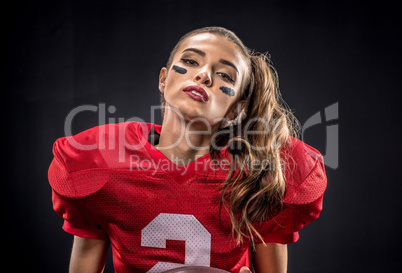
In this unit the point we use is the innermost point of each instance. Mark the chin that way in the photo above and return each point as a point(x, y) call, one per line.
point(186, 109)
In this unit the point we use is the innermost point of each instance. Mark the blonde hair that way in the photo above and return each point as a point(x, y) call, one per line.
point(253, 194)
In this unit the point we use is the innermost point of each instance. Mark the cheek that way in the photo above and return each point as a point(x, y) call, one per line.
point(177, 75)
point(174, 86)
point(172, 80)
point(222, 105)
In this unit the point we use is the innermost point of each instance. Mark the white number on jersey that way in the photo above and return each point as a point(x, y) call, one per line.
point(181, 227)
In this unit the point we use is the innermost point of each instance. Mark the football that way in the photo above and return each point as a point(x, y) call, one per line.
point(196, 269)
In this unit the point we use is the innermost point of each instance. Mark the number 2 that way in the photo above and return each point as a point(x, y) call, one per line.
point(182, 227)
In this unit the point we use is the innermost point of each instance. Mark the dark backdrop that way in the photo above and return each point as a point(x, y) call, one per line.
point(62, 54)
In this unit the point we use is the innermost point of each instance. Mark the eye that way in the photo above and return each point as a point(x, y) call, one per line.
point(226, 77)
point(189, 61)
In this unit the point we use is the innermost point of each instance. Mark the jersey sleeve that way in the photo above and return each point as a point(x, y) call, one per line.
point(69, 190)
point(305, 185)
point(284, 228)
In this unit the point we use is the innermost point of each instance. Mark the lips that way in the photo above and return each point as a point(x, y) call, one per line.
point(199, 93)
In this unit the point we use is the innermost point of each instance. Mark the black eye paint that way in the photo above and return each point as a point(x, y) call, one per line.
point(227, 91)
point(179, 69)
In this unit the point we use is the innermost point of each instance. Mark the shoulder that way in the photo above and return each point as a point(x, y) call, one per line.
point(82, 163)
point(304, 172)
point(96, 147)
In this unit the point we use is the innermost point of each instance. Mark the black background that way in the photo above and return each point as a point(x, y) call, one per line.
point(62, 54)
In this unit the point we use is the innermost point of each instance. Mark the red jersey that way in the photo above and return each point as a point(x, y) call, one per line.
point(110, 182)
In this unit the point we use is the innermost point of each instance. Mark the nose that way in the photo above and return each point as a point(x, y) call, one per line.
point(204, 77)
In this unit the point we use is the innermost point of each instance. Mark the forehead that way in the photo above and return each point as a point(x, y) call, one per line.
point(215, 46)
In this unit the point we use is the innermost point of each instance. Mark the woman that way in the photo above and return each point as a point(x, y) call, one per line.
point(222, 183)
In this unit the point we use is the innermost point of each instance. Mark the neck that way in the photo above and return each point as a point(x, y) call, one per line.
point(183, 140)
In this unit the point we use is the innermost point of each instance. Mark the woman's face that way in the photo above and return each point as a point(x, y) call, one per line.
point(205, 79)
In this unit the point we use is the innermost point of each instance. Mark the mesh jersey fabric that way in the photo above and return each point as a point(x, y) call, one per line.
point(110, 182)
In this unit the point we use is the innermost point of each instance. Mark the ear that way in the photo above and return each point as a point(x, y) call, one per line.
point(162, 79)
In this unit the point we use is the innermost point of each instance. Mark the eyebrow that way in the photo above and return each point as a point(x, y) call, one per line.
point(202, 53)
point(223, 61)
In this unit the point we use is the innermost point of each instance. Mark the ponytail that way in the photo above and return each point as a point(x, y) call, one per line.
point(256, 192)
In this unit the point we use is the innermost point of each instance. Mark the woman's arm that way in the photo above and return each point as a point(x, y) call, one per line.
point(88, 255)
point(272, 258)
